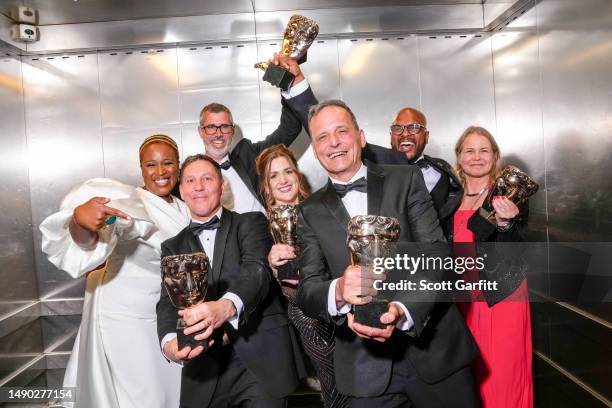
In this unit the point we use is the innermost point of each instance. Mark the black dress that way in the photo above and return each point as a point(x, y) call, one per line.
point(318, 341)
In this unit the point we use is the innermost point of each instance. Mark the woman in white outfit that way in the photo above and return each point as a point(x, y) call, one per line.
point(116, 359)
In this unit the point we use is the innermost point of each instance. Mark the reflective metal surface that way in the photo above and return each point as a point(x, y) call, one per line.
point(169, 31)
point(62, 114)
point(146, 104)
point(70, 27)
point(377, 19)
point(70, 12)
point(379, 76)
point(457, 89)
point(576, 67)
point(18, 276)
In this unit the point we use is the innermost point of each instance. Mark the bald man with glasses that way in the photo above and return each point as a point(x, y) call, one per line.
point(409, 136)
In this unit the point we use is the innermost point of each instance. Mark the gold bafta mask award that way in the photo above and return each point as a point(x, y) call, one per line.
point(283, 225)
point(371, 237)
point(514, 184)
point(185, 278)
point(299, 35)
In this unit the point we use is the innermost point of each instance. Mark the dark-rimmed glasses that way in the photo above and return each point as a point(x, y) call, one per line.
point(212, 129)
point(412, 128)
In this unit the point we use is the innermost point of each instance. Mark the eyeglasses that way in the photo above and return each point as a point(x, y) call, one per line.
point(412, 128)
point(212, 129)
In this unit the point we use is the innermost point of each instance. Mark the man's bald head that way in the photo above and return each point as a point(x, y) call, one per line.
point(410, 140)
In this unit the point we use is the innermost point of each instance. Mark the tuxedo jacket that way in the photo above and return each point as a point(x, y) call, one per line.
point(264, 341)
point(446, 194)
point(294, 116)
point(439, 343)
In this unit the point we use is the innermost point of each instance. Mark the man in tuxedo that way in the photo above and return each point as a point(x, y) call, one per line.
point(409, 136)
point(422, 355)
point(252, 358)
point(216, 128)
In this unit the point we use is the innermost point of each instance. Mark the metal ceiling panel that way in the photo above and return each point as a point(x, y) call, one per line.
point(464, 17)
point(283, 5)
point(117, 34)
point(87, 11)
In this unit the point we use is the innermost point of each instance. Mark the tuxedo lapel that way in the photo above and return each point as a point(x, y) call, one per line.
point(220, 241)
point(376, 182)
point(191, 242)
point(334, 205)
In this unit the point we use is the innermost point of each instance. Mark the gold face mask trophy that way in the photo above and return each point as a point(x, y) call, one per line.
point(515, 185)
point(283, 225)
point(299, 35)
point(185, 278)
point(370, 237)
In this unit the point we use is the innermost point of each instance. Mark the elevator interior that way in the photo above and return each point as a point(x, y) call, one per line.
point(107, 73)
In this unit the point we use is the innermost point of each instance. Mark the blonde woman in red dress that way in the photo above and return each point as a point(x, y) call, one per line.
point(499, 320)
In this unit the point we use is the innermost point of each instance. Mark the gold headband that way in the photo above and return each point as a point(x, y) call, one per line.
point(159, 139)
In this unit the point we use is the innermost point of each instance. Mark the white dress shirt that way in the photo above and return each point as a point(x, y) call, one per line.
point(356, 203)
point(237, 196)
point(430, 174)
point(207, 239)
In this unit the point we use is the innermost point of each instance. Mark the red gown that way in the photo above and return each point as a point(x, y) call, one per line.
point(503, 335)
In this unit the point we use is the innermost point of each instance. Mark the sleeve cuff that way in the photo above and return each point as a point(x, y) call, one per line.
point(239, 307)
point(296, 90)
point(406, 322)
point(331, 302)
point(168, 337)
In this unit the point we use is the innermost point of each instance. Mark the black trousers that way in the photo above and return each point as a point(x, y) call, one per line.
point(406, 389)
point(237, 387)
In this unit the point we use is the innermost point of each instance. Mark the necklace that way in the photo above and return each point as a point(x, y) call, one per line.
point(477, 193)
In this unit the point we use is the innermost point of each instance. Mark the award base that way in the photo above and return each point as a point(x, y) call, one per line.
point(185, 340)
point(369, 315)
point(278, 76)
point(288, 271)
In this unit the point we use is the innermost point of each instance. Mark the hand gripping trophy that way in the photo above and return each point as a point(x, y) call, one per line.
point(185, 278)
point(299, 35)
point(283, 225)
point(514, 184)
point(370, 237)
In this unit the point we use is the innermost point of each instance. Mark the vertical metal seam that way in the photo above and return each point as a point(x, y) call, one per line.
point(418, 50)
point(179, 99)
point(261, 131)
point(494, 84)
point(100, 113)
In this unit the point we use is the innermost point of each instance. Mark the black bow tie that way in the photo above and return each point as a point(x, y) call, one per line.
point(198, 227)
point(422, 163)
point(360, 185)
point(225, 165)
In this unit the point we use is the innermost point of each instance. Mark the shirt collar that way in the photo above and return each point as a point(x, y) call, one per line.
point(362, 172)
point(218, 214)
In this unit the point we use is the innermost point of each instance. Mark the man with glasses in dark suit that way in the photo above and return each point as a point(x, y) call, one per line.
point(216, 128)
point(409, 136)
